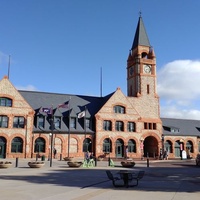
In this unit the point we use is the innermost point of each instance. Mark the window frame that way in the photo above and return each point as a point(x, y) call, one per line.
point(4, 121)
point(119, 109)
point(107, 125)
point(119, 126)
point(18, 122)
point(6, 102)
point(17, 145)
point(131, 127)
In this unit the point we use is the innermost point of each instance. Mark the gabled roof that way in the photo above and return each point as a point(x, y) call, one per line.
point(181, 127)
point(77, 103)
point(141, 37)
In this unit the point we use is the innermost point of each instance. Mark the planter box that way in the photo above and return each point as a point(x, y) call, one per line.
point(35, 164)
point(68, 158)
point(74, 164)
point(5, 164)
point(128, 164)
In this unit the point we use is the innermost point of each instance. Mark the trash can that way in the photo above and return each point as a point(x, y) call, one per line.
point(43, 158)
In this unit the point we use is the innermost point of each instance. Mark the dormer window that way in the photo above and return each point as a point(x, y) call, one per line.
point(57, 122)
point(119, 109)
point(41, 120)
point(171, 129)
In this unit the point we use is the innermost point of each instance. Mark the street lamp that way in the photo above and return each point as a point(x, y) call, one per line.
point(142, 147)
point(109, 152)
point(163, 138)
point(51, 148)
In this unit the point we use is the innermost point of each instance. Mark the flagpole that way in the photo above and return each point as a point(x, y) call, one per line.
point(52, 124)
point(9, 67)
point(69, 130)
point(85, 122)
point(101, 82)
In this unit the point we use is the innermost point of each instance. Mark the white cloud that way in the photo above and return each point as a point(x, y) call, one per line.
point(28, 87)
point(178, 88)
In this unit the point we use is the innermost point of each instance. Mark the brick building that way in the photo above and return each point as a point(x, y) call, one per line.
point(116, 125)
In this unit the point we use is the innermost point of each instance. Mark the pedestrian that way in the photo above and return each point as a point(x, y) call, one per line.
point(54, 152)
point(165, 155)
point(91, 155)
point(87, 156)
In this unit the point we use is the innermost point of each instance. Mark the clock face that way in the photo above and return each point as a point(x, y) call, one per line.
point(131, 71)
point(147, 68)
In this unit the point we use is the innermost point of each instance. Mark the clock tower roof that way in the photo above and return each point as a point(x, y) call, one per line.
point(141, 37)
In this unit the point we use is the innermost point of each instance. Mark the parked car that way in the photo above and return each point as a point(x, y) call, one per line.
point(198, 160)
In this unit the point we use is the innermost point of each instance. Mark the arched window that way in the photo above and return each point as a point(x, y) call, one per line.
point(5, 102)
point(119, 109)
point(107, 145)
point(87, 145)
point(199, 146)
point(168, 146)
point(131, 146)
point(17, 145)
point(189, 147)
point(39, 145)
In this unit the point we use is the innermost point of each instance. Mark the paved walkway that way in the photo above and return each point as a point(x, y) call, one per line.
point(166, 180)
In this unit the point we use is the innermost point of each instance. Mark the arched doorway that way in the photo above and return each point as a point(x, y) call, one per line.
point(119, 148)
point(178, 148)
point(87, 145)
point(17, 145)
point(150, 147)
point(39, 145)
point(2, 147)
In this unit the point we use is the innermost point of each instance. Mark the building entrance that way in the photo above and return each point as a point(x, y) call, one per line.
point(151, 147)
point(119, 148)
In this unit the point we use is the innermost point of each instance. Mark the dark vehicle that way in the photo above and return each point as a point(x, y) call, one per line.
point(198, 160)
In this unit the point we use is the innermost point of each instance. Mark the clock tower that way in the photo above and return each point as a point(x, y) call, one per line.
point(141, 65)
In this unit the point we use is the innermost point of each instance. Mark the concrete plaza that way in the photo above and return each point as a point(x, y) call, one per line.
point(166, 180)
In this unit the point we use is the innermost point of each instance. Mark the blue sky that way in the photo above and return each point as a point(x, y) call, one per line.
point(61, 45)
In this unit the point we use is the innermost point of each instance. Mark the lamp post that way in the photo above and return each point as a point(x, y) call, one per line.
point(32, 149)
point(163, 139)
point(109, 152)
point(51, 149)
point(142, 147)
point(181, 148)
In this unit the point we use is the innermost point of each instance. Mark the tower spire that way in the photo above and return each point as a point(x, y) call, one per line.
point(141, 37)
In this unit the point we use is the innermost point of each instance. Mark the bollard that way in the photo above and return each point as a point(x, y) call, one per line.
point(147, 162)
point(16, 164)
point(109, 161)
point(60, 157)
point(95, 161)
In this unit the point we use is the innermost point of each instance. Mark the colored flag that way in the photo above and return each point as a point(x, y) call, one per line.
point(81, 114)
point(47, 110)
point(64, 105)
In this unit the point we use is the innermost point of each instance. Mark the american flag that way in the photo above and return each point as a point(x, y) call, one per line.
point(64, 105)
